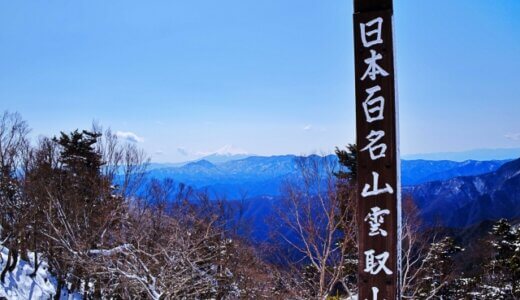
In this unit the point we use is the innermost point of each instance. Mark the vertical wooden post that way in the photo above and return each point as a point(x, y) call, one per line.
point(379, 201)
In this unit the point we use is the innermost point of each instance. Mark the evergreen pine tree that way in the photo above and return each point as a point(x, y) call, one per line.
point(78, 152)
point(348, 161)
point(504, 266)
point(438, 266)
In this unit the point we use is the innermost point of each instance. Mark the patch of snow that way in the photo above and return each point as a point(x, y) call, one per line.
point(20, 285)
point(480, 185)
point(108, 252)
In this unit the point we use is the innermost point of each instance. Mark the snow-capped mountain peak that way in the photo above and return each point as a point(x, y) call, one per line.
point(224, 154)
point(228, 150)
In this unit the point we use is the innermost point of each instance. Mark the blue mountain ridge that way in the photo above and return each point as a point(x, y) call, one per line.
point(465, 201)
point(264, 176)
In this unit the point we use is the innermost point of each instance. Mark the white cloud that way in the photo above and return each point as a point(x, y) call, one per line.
point(307, 127)
point(129, 136)
point(513, 136)
point(159, 152)
point(182, 151)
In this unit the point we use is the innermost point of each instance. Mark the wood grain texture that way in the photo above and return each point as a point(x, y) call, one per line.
point(386, 167)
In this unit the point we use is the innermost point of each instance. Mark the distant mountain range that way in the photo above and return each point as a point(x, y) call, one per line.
point(254, 176)
point(475, 154)
point(264, 176)
point(414, 172)
point(468, 200)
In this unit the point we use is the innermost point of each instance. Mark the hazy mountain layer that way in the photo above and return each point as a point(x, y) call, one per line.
point(259, 175)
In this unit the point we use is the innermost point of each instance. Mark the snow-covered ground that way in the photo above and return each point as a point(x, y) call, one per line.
point(19, 285)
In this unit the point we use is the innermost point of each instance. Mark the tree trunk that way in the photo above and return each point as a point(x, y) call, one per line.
point(15, 260)
point(86, 288)
point(97, 291)
point(58, 289)
point(35, 248)
point(6, 267)
point(36, 264)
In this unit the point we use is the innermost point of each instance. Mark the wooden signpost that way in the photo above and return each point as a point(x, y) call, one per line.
point(379, 206)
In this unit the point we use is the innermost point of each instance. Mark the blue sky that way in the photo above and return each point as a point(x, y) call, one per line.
point(266, 76)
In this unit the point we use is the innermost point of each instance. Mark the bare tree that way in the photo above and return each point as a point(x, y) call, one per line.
point(123, 163)
point(415, 248)
point(14, 208)
point(422, 257)
point(312, 221)
point(165, 261)
point(13, 141)
point(176, 249)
